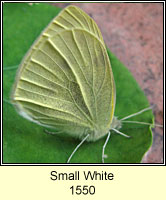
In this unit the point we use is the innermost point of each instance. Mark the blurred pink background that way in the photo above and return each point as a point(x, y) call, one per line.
point(134, 33)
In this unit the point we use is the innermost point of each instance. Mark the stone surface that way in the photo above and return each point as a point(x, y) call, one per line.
point(134, 33)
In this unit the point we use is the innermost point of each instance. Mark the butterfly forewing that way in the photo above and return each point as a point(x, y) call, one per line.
point(73, 17)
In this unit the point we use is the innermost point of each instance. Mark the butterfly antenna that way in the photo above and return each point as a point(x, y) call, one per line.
point(137, 113)
point(145, 123)
point(103, 155)
point(77, 148)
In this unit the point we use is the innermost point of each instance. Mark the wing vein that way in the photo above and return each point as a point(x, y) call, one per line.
point(46, 106)
point(55, 63)
point(49, 97)
point(67, 21)
point(98, 32)
point(105, 68)
point(45, 68)
point(49, 28)
point(86, 116)
point(61, 118)
point(75, 59)
point(85, 19)
point(86, 103)
point(38, 85)
point(73, 74)
point(80, 54)
point(59, 24)
point(77, 19)
point(45, 78)
point(91, 62)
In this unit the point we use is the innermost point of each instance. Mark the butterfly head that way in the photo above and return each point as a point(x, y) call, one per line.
point(116, 123)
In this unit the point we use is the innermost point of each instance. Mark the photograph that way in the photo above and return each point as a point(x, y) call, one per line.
point(83, 83)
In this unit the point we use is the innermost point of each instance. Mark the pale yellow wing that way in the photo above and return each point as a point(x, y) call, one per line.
point(65, 81)
point(73, 17)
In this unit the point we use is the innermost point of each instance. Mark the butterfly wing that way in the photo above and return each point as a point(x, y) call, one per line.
point(72, 17)
point(65, 81)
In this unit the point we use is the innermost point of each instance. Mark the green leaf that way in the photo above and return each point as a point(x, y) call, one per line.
point(26, 142)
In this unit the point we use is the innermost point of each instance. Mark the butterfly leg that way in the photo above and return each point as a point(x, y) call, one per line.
point(120, 133)
point(103, 155)
point(77, 148)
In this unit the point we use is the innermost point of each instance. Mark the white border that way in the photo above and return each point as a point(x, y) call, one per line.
point(140, 164)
